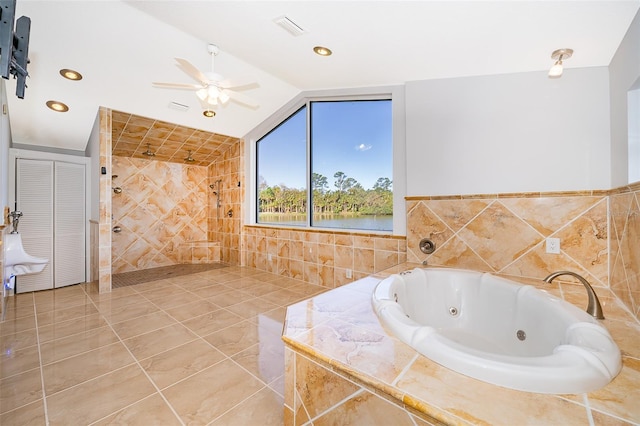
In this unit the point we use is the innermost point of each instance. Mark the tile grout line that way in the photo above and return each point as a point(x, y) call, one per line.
point(238, 404)
point(44, 395)
point(226, 357)
point(197, 336)
point(585, 399)
point(137, 362)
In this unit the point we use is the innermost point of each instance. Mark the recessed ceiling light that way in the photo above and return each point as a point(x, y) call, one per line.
point(57, 106)
point(209, 113)
point(322, 51)
point(70, 74)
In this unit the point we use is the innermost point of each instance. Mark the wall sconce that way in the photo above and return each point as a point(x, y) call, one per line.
point(559, 55)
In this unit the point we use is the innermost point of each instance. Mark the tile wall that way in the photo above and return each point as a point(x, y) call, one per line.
point(340, 399)
point(506, 234)
point(321, 257)
point(104, 219)
point(224, 227)
point(162, 208)
point(625, 246)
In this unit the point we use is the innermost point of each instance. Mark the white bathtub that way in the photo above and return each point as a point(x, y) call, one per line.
point(497, 330)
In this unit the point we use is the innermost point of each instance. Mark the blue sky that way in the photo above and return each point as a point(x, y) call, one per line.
point(353, 137)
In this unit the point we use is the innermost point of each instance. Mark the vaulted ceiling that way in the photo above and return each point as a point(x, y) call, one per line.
point(121, 47)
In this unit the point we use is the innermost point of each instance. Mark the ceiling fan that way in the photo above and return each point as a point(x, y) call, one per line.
point(212, 90)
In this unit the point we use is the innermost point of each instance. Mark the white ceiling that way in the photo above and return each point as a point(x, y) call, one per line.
point(122, 46)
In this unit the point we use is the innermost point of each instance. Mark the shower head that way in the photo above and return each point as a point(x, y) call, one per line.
point(212, 186)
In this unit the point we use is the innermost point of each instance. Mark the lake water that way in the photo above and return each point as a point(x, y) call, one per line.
point(369, 223)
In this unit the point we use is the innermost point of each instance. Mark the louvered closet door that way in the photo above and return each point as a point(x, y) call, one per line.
point(34, 198)
point(69, 224)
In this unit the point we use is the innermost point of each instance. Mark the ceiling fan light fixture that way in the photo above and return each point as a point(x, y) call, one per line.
point(322, 51)
point(189, 158)
point(70, 74)
point(57, 106)
point(558, 55)
point(213, 89)
point(214, 92)
point(209, 113)
point(202, 94)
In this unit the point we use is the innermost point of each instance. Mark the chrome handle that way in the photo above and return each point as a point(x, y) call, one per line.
point(117, 229)
point(427, 246)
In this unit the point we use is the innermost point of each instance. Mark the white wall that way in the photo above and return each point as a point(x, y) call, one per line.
point(624, 70)
point(5, 142)
point(508, 133)
point(633, 135)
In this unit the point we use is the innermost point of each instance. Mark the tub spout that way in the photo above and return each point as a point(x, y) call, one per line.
point(593, 308)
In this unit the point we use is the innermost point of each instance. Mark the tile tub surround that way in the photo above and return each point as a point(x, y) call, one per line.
point(342, 364)
point(624, 246)
point(505, 233)
point(199, 349)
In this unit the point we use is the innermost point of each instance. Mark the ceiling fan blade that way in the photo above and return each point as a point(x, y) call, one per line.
point(192, 71)
point(181, 86)
point(241, 98)
point(238, 84)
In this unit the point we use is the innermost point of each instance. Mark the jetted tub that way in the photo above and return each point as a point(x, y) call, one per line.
point(497, 330)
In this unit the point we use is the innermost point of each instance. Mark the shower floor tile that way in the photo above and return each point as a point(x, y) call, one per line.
point(154, 274)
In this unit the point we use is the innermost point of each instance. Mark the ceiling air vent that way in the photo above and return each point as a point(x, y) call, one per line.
point(178, 106)
point(290, 26)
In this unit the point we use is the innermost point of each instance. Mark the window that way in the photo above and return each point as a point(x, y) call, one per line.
point(333, 159)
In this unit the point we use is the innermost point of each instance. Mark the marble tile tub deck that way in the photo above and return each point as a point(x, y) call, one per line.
point(341, 365)
point(199, 349)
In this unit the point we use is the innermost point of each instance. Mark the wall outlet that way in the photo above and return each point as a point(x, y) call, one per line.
point(348, 273)
point(553, 245)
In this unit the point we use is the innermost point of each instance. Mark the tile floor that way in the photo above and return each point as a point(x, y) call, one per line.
point(204, 348)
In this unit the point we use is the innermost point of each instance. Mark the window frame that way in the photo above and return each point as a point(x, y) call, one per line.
point(393, 93)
